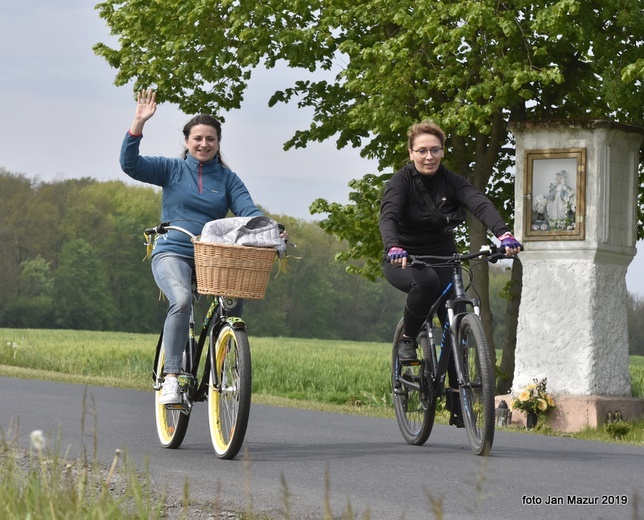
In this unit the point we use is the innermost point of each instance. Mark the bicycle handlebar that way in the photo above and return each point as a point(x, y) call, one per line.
point(161, 229)
point(164, 227)
point(492, 254)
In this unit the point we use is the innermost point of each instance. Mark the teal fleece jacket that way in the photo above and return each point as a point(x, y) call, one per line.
point(193, 192)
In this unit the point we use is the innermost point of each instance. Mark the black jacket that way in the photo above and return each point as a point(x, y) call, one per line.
point(405, 218)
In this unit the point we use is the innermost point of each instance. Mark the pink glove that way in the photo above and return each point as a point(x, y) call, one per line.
point(396, 253)
point(509, 242)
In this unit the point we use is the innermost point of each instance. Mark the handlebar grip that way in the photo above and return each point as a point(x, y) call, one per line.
point(158, 230)
point(500, 255)
point(503, 249)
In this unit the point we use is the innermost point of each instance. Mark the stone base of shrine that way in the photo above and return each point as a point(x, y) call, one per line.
point(573, 413)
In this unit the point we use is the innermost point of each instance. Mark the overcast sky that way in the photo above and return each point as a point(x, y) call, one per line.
point(62, 117)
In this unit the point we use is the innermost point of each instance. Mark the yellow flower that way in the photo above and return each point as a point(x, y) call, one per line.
point(534, 398)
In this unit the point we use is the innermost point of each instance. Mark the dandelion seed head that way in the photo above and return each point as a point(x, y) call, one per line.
point(37, 439)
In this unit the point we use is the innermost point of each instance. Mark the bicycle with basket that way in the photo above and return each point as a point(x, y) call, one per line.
point(417, 386)
point(217, 359)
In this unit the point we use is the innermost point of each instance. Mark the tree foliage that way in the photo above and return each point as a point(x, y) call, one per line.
point(81, 291)
point(471, 65)
point(635, 325)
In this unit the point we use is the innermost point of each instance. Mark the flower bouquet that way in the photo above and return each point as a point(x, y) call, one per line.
point(534, 399)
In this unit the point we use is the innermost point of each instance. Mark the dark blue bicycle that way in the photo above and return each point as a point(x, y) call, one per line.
point(418, 385)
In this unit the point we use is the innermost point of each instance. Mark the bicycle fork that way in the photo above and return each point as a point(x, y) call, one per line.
point(457, 351)
point(219, 383)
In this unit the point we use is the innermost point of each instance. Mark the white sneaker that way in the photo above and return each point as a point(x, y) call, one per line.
point(170, 392)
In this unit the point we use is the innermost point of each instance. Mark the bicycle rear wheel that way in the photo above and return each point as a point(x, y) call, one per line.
point(414, 402)
point(477, 394)
point(229, 403)
point(171, 421)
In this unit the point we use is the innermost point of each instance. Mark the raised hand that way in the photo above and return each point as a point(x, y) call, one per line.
point(146, 106)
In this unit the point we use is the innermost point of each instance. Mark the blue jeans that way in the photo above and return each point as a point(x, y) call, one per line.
point(173, 274)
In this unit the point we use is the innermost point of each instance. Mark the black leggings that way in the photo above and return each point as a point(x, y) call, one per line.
point(423, 286)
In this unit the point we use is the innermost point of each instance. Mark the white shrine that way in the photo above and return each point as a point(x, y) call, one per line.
point(576, 214)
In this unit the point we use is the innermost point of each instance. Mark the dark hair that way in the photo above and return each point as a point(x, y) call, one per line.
point(425, 127)
point(204, 119)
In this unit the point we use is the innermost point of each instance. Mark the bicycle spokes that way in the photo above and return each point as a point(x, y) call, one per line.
point(477, 391)
point(412, 395)
point(229, 392)
point(171, 420)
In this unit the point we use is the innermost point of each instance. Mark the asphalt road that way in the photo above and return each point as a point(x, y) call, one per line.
point(363, 461)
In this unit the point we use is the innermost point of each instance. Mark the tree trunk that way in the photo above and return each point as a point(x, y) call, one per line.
point(481, 283)
point(485, 152)
point(506, 369)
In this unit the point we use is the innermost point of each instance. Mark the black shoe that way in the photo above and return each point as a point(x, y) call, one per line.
point(456, 420)
point(407, 350)
point(453, 405)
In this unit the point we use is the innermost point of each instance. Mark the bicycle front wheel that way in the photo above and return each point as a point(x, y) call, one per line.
point(414, 402)
point(172, 421)
point(477, 393)
point(229, 393)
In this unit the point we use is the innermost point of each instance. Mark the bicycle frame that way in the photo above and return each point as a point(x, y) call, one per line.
point(457, 307)
point(216, 317)
point(462, 303)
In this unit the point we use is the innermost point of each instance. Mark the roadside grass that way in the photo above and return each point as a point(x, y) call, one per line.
point(43, 482)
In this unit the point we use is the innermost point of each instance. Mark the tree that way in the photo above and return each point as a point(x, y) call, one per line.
point(111, 217)
point(15, 191)
point(470, 65)
point(83, 298)
point(636, 325)
point(33, 307)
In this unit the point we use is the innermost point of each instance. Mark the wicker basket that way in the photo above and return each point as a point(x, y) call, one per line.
point(237, 271)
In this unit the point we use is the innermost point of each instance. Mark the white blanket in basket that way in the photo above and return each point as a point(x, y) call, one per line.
point(245, 231)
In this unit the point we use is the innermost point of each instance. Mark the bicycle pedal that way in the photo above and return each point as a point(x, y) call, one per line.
point(410, 378)
point(410, 362)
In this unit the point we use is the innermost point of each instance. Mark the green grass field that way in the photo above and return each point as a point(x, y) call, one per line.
point(323, 371)
point(330, 372)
